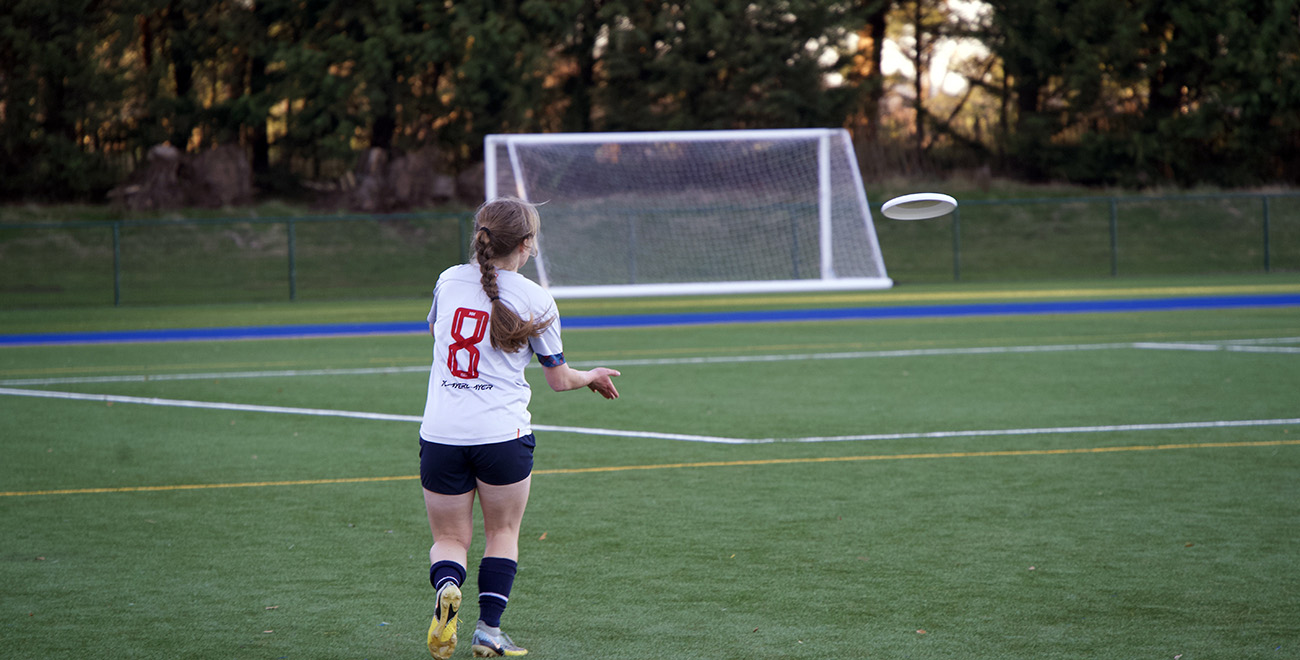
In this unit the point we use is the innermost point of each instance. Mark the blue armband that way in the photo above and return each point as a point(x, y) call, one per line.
point(551, 360)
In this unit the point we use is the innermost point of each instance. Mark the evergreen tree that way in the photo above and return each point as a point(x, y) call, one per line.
point(500, 69)
point(1092, 91)
point(59, 97)
point(721, 64)
point(1223, 97)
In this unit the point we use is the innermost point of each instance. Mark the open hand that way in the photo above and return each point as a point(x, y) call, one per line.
point(601, 383)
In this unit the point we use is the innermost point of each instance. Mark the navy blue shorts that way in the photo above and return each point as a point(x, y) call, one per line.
point(456, 470)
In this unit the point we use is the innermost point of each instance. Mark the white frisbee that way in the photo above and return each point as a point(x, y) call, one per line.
point(918, 206)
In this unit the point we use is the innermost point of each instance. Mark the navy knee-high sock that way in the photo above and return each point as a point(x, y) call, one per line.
point(446, 570)
point(495, 577)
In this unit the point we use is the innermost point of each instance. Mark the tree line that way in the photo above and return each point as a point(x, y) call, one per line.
point(1105, 92)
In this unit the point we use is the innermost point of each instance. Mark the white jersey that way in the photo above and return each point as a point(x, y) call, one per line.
point(477, 393)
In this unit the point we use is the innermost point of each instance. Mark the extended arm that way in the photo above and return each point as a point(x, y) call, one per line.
point(563, 378)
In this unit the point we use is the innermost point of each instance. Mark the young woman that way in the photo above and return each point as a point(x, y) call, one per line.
point(487, 322)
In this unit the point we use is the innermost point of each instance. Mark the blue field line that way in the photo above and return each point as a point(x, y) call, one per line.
point(937, 311)
point(662, 320)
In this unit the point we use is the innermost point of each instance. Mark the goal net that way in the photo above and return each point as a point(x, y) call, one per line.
point(692, 212)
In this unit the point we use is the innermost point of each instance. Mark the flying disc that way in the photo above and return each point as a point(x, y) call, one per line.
point(919, 206)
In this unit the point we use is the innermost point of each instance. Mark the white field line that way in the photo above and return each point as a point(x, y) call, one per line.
point(206, 405)
point(317, 412)
point(321, 412)
point(854, 355)
point(1265, 340)
point(1173, 426)
point(1239, 345)
point(1231, 348)
point(215, 375)
point(860, 355)
point(1159, 346)
point(1235, 346)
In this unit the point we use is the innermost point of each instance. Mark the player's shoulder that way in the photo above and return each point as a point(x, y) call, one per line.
point(519, 285)
point(460, 272)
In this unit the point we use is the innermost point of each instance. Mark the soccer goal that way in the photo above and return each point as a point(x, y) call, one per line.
point(693, 212)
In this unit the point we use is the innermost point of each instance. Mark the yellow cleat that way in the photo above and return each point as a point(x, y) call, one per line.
point(442, 631)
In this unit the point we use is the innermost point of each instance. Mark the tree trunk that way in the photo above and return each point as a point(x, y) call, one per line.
point(258, 139)
point(577, 117)
point(182, 61)
point(919, 63)
point(876, 92)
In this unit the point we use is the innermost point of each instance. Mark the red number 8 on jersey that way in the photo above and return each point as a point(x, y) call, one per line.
point(467, 344)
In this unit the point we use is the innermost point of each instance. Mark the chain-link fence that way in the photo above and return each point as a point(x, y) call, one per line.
point(161, 262)
point(1095, 237)
point(148, 262)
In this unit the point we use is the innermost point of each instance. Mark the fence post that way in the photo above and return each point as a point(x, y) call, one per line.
point(1267, 264)
point(293, 262)
point(956, 244)
point(466, 226)
point(117, 263)
point(1114, 237)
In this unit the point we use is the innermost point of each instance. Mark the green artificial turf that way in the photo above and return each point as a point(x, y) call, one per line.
point(130, 530)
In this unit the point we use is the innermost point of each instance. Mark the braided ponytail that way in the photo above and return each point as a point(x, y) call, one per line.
point(500, 226)
point(484, 254)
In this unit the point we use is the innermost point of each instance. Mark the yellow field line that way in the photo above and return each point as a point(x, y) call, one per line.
point(895, 457)
point(247, 484)
point(676, 466)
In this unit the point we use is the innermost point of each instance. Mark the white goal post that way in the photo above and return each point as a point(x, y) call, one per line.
point(692, 212)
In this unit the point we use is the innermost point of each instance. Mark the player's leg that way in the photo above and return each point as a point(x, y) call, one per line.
point(451, 519)
point(503, 512)
point(503, 473)
point(503, 496)
point(449, 501)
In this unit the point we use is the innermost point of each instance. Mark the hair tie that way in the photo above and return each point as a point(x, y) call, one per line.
point(494, 298)
point(489, 232)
